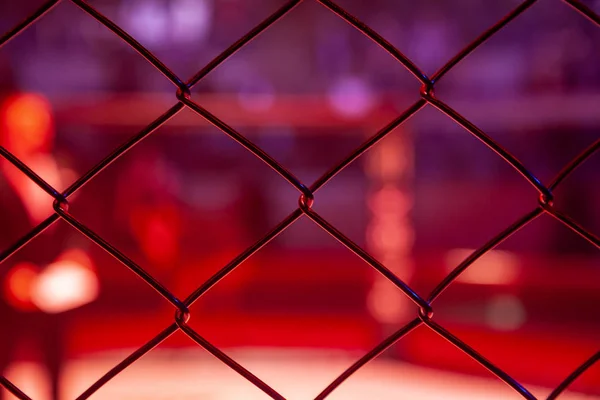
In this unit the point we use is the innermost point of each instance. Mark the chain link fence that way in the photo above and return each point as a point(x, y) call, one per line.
point(424, 306)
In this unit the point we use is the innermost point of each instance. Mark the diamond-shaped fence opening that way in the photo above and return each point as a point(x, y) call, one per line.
point(424, 306)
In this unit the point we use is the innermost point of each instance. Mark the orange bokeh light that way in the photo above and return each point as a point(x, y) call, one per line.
point(28, 122)
point(18, 286)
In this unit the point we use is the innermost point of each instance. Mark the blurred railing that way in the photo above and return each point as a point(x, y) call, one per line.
point(424, 305)
point(535, 111)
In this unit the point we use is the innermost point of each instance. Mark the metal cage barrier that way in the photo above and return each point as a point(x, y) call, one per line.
point(424, 306)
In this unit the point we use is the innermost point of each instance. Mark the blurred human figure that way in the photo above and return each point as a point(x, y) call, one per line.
point(42, 282)
point(147, 208)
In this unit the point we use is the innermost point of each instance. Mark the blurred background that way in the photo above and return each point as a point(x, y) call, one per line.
point(309, 90)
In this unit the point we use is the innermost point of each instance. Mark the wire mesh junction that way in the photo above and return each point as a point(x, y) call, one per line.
point(424, 306)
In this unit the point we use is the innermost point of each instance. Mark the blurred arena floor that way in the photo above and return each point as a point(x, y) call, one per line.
point(296, 374)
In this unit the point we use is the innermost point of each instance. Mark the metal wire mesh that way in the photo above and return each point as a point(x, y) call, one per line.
point(424, 305)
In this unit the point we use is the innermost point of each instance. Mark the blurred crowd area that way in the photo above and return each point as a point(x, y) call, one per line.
point(548, 49)
point(187, 200)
